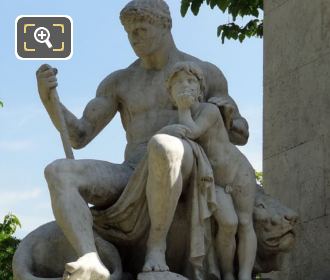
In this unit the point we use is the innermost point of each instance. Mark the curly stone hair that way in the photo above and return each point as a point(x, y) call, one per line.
point(153, 11)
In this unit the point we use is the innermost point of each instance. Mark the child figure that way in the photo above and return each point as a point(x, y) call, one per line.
point(234, 176)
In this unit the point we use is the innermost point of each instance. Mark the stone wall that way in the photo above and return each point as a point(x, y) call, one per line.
point(297, 126)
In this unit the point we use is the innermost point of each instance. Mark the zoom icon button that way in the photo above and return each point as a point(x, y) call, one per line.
point(44, 37)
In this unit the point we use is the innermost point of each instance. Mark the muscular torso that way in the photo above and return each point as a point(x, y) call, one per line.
point(144, 107)
point(144, 104)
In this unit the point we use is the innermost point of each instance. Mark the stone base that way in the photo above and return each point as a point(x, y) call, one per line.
point(165, 275)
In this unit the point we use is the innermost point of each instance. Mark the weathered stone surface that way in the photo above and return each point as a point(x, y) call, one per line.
point(160, 276)
point(296, 35)
point(272, 5)
point(296, 176)
point(327, 191)
point(311, 258)
point(273, 223)
point(296, 126)
point(296, 107)
point(185, 148)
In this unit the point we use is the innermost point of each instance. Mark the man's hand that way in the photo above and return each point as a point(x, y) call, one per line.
point(221, 101)
point(227, 109)
point(240, 127)
point(46, 77)
point(177, 130)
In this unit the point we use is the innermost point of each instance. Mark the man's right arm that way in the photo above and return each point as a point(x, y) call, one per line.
point(97, 114)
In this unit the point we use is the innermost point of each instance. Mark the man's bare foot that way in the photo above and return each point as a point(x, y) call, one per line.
point(87, 267)
point(155, 261)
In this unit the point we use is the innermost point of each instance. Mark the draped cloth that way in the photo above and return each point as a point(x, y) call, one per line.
point(127, 220)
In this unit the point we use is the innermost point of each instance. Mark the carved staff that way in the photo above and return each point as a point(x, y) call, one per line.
point(62, 124)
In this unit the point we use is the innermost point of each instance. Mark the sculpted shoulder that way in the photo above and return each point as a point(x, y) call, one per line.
point(112, 84)
point(215, 80)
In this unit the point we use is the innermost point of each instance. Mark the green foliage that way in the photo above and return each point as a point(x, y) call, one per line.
point(1, 104)
point(8, 245)
point(235, 8)
point(259, 177)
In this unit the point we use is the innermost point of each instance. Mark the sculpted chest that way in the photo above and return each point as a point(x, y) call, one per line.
point(144, 91)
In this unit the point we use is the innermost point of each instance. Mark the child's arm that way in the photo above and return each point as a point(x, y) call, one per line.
point(208, 116)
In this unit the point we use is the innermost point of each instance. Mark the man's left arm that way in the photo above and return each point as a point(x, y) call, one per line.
point(217, 93)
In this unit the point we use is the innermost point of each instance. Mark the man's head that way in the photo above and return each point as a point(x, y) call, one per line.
point(146, 23)
point(186, 82)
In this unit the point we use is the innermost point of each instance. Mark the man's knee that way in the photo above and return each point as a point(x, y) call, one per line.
point(165, 148)
point(52, 170)
point(55, 172)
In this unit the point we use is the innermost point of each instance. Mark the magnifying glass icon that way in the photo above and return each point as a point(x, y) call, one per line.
point(42, 35)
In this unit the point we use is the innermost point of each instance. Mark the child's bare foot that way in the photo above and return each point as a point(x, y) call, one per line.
point(155, 261)
point(87, 267)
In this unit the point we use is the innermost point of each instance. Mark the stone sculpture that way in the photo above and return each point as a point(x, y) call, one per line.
point(274, 224)
point(233, 175)
point(154, 193)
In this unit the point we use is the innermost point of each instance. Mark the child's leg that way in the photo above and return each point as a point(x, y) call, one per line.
point(243, 196)
point(227, 228)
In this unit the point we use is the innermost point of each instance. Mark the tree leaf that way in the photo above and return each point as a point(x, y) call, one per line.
point(195, 6)
point(185, 4)
point(255, 12)
point(241, 37)
point(213, 3)
point(251, 8)
point(8, 245)
point(223, 5)
point(233, 10)
point(259, 177)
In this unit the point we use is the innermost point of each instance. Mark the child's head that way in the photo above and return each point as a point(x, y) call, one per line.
point(186, 79)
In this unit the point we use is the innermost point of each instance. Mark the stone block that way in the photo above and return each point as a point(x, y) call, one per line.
point(271, 5)
point(167, 275)
point(327, 191)
point(312, 201)
point(296, 177)
point(311, 257)
point(296, 127)
point(297, 107)
point(297, 33)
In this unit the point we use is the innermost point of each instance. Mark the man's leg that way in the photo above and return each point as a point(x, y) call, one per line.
point(170, 162)
point(72, 185)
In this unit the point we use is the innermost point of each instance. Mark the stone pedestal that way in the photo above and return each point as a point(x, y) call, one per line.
point(297, 126)
point(160, 276)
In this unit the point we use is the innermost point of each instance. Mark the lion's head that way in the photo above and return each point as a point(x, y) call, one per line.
point(274, 225)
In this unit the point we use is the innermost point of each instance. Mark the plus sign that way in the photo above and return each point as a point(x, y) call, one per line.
point(41, 34)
